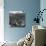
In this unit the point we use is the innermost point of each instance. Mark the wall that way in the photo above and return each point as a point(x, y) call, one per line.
point(30, 7)
point(43, 6)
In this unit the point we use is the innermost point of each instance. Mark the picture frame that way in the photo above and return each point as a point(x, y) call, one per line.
point(17, 19)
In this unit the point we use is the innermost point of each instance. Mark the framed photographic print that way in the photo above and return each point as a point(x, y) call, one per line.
point(17, 19)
